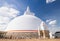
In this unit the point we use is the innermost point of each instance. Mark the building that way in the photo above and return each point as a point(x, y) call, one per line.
point(27, 26)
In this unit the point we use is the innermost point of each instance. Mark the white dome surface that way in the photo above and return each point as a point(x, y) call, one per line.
point(24, 22)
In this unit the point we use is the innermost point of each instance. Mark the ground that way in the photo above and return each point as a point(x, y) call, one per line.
point(29, 39)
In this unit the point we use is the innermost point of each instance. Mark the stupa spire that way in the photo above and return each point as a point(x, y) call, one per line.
point(28, 12)
point(28, 9)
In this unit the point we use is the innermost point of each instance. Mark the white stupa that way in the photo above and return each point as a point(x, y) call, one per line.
point(25, 26)
point(25, 22)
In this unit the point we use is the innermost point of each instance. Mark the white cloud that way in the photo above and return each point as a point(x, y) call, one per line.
point(3, 22)
point(48, 20)
point(4, 19)
point(50, 1)
point(53, 22)
point(6, 13)
point(52, 25)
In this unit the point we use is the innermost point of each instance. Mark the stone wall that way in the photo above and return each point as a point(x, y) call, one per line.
point(21, 35)
point(29, 35)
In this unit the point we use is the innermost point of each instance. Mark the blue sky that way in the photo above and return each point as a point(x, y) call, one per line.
point(43, 10)
point(39, 7)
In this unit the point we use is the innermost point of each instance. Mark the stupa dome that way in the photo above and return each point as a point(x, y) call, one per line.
point(24, 22)
point(28, 21)
point(27, 26)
